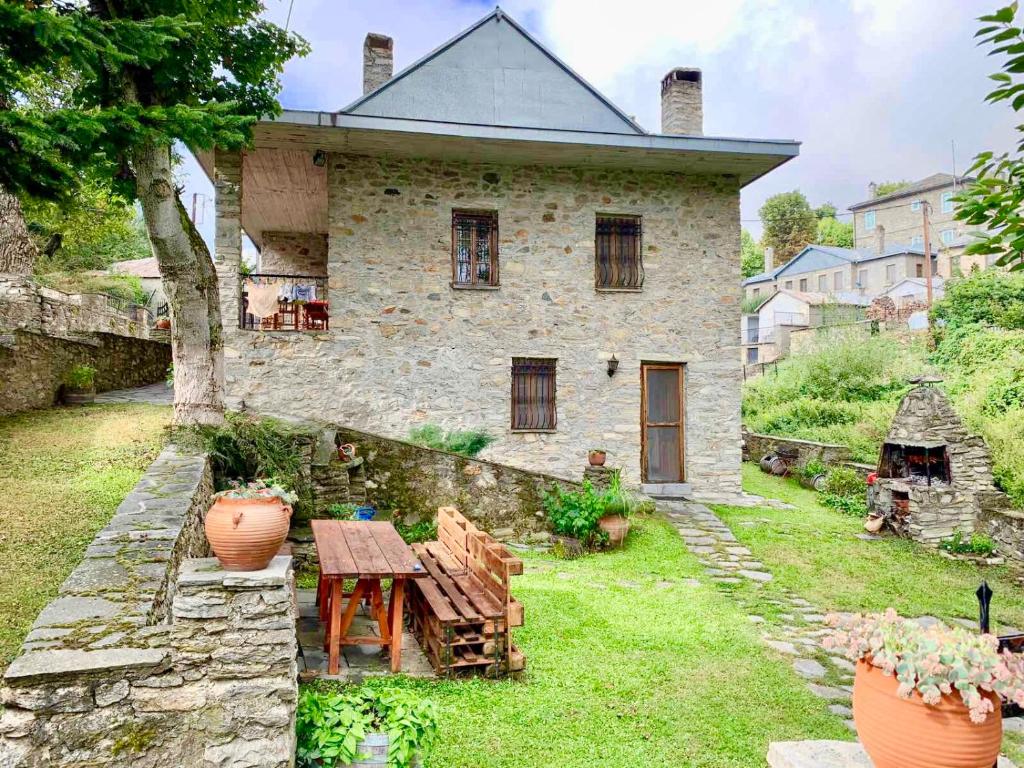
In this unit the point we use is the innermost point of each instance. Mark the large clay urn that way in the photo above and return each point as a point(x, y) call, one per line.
point(907, 733)
point(245, 534)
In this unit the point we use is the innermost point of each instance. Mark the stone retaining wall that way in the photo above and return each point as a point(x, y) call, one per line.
point(152, 655)
point(757, 445)
point(1006, 527)
point(413, 481)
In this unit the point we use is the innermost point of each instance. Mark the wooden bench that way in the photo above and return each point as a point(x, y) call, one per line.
point(463, 611)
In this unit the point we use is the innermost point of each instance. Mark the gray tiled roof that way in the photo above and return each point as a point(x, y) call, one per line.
point(935, 181)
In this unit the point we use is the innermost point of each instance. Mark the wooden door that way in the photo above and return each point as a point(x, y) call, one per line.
point(662, 411)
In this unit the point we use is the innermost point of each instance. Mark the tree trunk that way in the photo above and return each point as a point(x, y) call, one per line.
point(17, 251)
point(190, 282)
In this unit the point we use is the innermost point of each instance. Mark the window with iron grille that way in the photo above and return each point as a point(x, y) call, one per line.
point(474, 249)
point(533, 393)
point(617, 248)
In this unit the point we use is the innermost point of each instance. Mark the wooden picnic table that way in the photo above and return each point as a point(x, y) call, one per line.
point(368, 552)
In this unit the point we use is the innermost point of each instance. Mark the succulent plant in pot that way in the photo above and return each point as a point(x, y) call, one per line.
point(926, 695)
point(597, 457)
point(248, 523)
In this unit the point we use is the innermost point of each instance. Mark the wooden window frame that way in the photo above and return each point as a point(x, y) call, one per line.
point(548, 421)
point(474, 283)
point(614, 256)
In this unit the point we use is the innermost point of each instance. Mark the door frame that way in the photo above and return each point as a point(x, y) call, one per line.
point(644, 368)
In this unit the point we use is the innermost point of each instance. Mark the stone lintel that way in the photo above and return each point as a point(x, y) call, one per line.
point(60, 664)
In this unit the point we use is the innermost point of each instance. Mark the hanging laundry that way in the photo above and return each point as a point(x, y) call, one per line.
point(304, 293)
point(263, 299)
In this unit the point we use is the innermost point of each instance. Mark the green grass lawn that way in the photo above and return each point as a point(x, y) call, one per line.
point(63, 472)
point(814, 552)
point(628, 666)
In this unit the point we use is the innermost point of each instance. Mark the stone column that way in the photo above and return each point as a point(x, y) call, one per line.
point(227, 170)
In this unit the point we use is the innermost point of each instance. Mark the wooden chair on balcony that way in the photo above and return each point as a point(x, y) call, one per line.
point(316, 316)
point(287, 316)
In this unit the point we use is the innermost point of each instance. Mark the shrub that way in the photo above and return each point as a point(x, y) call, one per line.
point(843, 481)
point(330, 725)
point(463, 442)
point(345, 511)
point(82, 377)
point(575, 513)
point(848, 505)
point(977, 544)
point(803, 413)
point(812, 469)
point(424, 530)
point(988, 297)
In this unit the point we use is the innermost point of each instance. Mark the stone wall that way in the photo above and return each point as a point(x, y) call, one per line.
point(412, 482)
point(405, 348)
point(294, 253)
point(757, 445)
point(33, 365)
point(152, 655)
point(1006, 527)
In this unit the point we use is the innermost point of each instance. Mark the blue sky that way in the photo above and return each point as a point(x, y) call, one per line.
point(875, 89)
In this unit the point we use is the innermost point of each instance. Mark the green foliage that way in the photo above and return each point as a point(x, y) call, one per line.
point(833, 232)
point(988, 297)
point(145, 73)
point(575, 513)
point(786, 418)
point(345, 511)
point(424, 530)
point(751, 255)
point(124, 287)
point(751, 304)
point(92, 228)
point(264, 488)
point(812, 469)
point(81, 377)
point(994, 202)
point(789, 224)
point(848, 505)
point(331, 724)
point(976, 544)
point(844, 481)
point(463, 442)
point(888, 187)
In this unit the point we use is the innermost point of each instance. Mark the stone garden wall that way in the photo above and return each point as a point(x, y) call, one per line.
point(756, 446)
point(44, 333)
point(152, 655)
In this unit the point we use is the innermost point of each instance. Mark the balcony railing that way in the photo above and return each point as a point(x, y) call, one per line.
point(273, 302)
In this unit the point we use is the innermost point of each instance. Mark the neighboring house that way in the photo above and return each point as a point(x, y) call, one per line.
point(914, 289)
point(148, 273)
point(489, 238)
point(766, 334)
point(830, 270)
point(897, 219)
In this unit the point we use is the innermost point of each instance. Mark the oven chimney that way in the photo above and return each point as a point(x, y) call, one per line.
point(769, 259)
point(682, 106)
point(378, 61)
point(880, 238)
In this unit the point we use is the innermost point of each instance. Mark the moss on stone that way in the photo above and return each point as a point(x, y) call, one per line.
point(133, 738)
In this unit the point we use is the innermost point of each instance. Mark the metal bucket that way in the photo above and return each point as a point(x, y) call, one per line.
point(373, 752)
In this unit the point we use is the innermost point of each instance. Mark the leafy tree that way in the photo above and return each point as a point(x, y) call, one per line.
point(831, 231)
point(888, 187)
point(996, 201)
point(751, 255)
point(143, 75)
point(789, 224)
point(826, 211)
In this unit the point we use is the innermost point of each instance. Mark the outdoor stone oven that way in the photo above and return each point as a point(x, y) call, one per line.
point(933, 477)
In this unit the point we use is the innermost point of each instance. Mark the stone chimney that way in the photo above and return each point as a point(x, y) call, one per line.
point(880, 239)
point(769, 259)
point(378, 61)
point(872, 190)
point(682, 103)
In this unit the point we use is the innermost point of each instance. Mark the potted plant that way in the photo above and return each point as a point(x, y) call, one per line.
point(366, 726)
point(574, 516)
point(617, 511)
point(926, 696)
point(247, 524)
point(80, 385)
point(597, 456)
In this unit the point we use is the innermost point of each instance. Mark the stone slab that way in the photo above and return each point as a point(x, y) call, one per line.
point(39, 665)
point(207, 571)
point(827, 754)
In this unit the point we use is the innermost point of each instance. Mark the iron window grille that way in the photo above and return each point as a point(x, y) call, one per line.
point(533, 393)
point(474, 249)
point(618, 262)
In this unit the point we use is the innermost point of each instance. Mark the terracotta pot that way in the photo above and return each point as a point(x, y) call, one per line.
point(616, 526)
point(163, 324)
point(597, 458)
point(245, 534)
point(907, 733)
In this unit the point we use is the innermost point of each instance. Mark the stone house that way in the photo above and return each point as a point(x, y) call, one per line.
point(897, 219)
point(148, 272)
point(841, 272)
point(485, 241)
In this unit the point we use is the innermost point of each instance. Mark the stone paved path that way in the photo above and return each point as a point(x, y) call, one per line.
point(152, 394)
point(798, 636)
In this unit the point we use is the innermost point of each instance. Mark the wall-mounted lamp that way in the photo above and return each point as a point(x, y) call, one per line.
point(613, 365)
point(319, 158)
